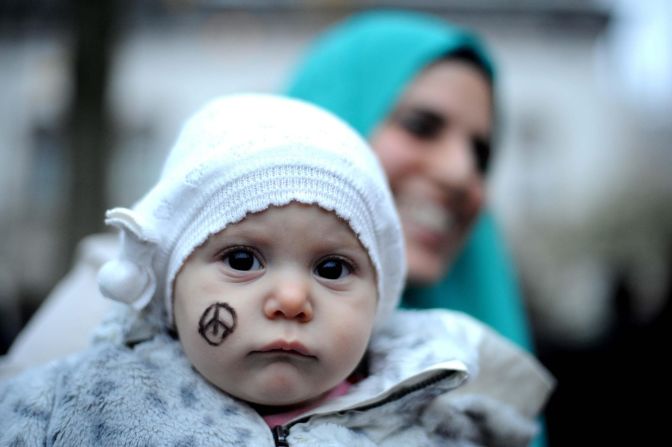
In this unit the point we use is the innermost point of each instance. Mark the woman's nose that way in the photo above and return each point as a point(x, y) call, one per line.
point(290, 299)
point(451, 164)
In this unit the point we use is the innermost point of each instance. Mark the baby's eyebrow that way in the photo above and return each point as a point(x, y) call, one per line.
point(355, 251)
point(248, 231)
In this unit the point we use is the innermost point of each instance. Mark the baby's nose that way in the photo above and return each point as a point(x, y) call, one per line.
point(290, 299)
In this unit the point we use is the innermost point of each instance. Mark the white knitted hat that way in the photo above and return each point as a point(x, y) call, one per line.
point(239, 155)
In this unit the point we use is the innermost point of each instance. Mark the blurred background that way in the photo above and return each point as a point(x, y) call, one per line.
point(93, 94)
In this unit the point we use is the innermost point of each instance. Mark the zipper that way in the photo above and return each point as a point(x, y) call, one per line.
point(280, 433)
point(406, 391)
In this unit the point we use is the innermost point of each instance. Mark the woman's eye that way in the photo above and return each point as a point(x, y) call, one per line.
point(333, 269)
point(422, 124)
point(242, 259)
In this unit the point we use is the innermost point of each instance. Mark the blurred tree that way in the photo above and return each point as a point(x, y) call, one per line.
point(89, 125)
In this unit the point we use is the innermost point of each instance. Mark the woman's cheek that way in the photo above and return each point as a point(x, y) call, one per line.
point(394, 152)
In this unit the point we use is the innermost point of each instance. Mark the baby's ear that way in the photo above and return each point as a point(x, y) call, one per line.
point(129, 278)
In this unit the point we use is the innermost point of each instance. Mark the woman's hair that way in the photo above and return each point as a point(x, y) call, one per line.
point(472, 58)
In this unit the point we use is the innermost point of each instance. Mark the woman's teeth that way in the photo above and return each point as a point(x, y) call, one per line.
point(429, 215)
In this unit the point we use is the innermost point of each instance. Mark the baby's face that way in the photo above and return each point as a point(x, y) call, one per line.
point(278, 308)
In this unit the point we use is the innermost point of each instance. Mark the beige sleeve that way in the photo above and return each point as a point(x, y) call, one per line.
point(509, 375)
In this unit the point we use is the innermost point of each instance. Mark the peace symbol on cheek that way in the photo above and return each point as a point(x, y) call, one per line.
point(217, 322)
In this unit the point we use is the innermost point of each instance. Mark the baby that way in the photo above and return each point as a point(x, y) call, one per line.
point(261, 274)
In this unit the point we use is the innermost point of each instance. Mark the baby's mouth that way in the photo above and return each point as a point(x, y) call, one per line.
point(283, 347)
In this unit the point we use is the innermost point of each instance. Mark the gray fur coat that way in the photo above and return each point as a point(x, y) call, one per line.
point(437, 378)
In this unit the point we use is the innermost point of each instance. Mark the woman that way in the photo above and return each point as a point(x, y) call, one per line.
point(422, 92)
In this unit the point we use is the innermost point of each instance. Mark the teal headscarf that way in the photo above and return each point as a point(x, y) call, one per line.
point(358, 70)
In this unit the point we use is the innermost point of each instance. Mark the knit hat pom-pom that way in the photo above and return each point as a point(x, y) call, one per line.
point(125, 281)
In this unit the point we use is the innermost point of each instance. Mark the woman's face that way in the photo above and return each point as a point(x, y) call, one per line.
point(434, 147)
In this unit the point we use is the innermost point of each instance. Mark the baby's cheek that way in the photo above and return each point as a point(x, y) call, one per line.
point(205, 330)
point(351, 341)
point(205, 339)
point(217, 322)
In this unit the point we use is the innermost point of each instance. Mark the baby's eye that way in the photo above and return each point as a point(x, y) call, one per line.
point(242, 259)
point(333, 268)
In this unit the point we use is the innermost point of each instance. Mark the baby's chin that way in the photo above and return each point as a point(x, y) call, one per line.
point(280, 403)
point(278, 391)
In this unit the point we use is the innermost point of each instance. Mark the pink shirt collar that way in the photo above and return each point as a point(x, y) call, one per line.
point(282, 418)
